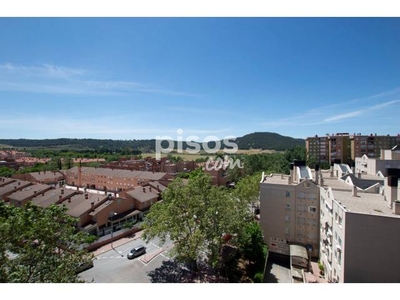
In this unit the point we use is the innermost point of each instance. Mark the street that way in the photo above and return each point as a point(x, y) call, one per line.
point(114, 267)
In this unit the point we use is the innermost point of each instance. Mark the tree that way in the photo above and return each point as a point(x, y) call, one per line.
point(39, 245)
point(252, 243)
point(196, 216)
point(248, 189)
point(6, 172)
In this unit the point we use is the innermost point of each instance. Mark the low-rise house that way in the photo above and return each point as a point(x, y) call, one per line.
point(9, 186)
point(53, 196)
point(45, 177)
point(23, 196)
point(143, 197)
point(80, 206)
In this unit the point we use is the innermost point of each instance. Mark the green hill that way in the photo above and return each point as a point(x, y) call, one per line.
point(257, 140)
point(268, 141)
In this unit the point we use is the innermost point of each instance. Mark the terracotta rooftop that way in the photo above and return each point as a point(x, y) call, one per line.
point(15, 185)
point(40, 176)
point(120, 173)
point(52, 196)
point(4, 181)
point(29, 192)
point(143, 194)
point(79, 205)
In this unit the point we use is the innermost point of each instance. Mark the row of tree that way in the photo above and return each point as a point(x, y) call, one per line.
point(40, 245)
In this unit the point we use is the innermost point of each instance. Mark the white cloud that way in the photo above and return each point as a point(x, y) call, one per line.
point(344, 116)
point(53, 79)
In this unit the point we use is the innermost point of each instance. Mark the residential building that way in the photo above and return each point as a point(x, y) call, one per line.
point(111, 179)
point(371, 145)
point(45, 177)
point(289, 210)
point(24, 195)
point(317, 149)
point(143, 197)
point(359, 223)
point(9, 186)
point(53, 196)
point(389, 159)
point(339, 148)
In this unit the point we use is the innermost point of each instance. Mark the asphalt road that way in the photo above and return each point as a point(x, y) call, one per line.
point(114, 267)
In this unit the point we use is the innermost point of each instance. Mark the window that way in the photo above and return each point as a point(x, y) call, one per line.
point(336, 217)
point(287, 194)
point(340, 220)
point(312, 209)
point(287, 206)
point(301, 195)
point(287, 231)
point(287, 218)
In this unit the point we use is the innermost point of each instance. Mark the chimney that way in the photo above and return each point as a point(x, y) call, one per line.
point(59, 198)
point(289, 179)
point(43, 194)
point(359, 175)
point(316, 174)
point(291, 172)
point(19, 182)
point(86, 196)
point(92, 205)
point(150, 189)
point(322, 181)
point(62, 191)
point(144, 190)
point(69, 200)
point(354, 191)
point(391, 187)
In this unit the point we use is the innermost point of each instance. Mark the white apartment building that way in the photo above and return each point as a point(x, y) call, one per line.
point(359, 229)
point(289, 209)
point(389, 159)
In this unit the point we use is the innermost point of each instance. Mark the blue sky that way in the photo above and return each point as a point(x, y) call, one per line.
point(135, 78)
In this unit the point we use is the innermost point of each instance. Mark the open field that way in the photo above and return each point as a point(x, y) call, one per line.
point(2, 146)
point(202, 154)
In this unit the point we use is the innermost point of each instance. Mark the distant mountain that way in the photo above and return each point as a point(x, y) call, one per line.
point(268, 141)
point(257, 140)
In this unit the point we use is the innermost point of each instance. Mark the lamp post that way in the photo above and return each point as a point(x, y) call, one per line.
point(112, 215)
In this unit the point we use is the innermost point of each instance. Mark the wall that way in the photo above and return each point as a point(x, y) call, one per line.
point(372, 249)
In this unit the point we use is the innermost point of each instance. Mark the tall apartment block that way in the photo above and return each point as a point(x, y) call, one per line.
point(371, 145)
point(289, 206)
point(358, 219)
point(317, 148)
point(344, 148)
point(360, 223)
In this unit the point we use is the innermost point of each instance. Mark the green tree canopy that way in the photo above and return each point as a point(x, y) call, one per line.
point(197, 217)
point(39, 245)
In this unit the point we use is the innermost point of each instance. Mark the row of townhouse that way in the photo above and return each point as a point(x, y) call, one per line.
point(114, 180)
point(349, 222)
point(98, 213)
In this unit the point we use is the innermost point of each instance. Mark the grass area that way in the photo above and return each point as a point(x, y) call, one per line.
point(202, 154)
point(185, 156)
point(2, 146)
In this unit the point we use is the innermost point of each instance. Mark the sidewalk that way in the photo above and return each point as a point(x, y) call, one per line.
point(117, 243)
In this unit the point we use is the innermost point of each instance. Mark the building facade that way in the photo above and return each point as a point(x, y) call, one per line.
point(317, 149)
point(358, 226)
point(345, 148)
point(289, 211)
